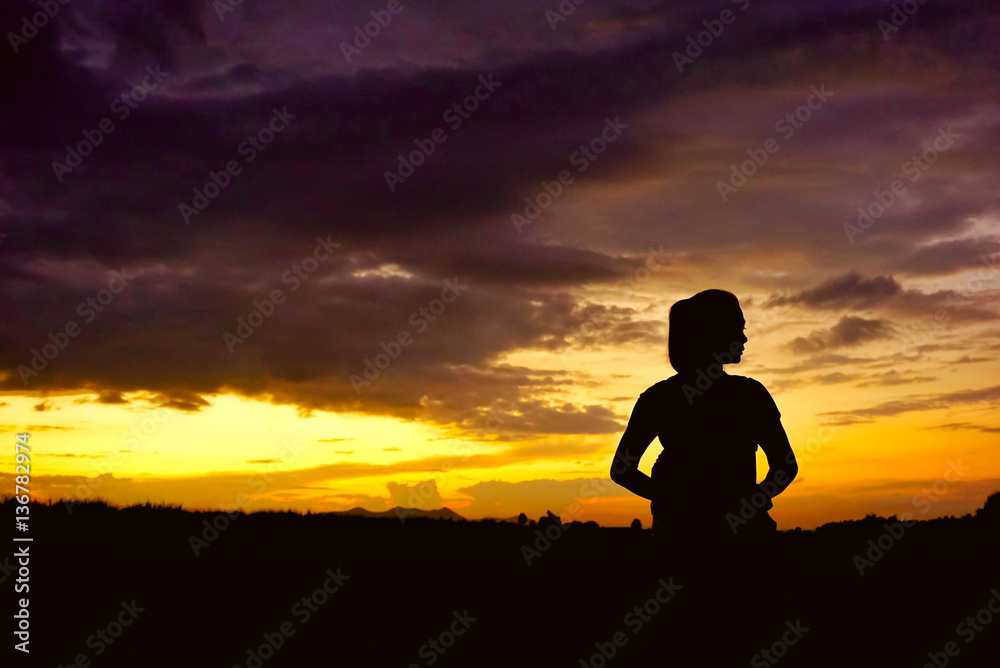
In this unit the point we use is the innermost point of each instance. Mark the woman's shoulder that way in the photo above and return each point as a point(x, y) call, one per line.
point(747, 384)
point(664, 386)
point(746, 381)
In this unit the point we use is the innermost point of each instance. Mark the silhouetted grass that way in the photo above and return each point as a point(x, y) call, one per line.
point(408, 579)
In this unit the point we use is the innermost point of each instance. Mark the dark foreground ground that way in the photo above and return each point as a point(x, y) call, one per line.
point(112, 587)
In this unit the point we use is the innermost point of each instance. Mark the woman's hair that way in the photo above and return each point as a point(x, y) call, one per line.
point(696, 324)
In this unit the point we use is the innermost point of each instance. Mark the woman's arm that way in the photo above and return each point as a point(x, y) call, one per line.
point(625, 466)
point(782, 467)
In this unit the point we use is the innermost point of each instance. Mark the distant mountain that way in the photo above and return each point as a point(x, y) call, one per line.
point(406, 513)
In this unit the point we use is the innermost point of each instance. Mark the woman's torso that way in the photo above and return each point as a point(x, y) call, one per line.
point(709, 437)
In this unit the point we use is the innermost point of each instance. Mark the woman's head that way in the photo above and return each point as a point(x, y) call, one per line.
point(704, 329)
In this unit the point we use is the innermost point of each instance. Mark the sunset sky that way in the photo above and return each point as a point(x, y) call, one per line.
point(513, 282)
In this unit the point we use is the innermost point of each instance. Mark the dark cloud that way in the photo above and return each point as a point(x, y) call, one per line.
point(784, 384)
point(822, 361)
point(110, 397)
point(947, 257)
point(970, 302)
point(894, 377)
point(851, 291)
point(951, 426)
point(963, 305)
point(847, 420)
point(926, 402)
point(182, 400)
point(965, 359)
point(834, 378)
point(33, 427)
point(850, 331)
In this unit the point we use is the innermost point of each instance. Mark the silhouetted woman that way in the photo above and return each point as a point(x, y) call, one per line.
point(709, 513)
point(703, 486)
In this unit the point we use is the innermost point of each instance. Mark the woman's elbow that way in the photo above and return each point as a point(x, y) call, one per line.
point(791, 465)
point(620, 469)
point(621, 475)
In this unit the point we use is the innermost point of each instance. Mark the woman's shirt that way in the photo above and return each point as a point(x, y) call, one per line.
point(709, 430)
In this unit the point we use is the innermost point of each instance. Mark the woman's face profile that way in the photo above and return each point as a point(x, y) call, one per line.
point(732, 335)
